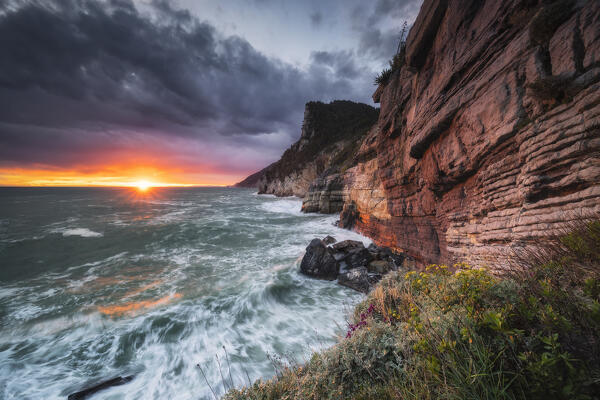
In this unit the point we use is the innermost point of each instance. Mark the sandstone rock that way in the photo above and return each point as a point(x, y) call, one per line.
point(357, 279)
point(318, 261)
point(320, 145)
point(325, 195)
point(348, 216)
point(329, 239)
point(423, 32)
point(466, 160)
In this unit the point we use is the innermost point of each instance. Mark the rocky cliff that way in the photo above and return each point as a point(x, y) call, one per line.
point(331, 134)
point(488, 135)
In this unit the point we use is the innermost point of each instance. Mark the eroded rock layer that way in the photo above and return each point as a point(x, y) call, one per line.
point(330, 136)
point(489, 135)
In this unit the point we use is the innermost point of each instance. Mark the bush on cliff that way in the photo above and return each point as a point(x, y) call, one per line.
point(467, 334)
point(338, 121)
point(383, 77)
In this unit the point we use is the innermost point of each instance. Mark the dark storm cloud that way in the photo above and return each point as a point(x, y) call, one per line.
point(377, 39)
point(80, 76)
point(343, 63)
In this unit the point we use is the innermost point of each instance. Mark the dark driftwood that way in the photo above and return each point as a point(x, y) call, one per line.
point(104, 385)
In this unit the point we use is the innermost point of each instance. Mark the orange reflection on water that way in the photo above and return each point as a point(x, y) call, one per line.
point(135, 292)
point(133, 306)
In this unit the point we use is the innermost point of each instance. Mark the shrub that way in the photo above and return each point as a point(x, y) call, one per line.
point(464, 333)
point(397, 61)
point(383, 77)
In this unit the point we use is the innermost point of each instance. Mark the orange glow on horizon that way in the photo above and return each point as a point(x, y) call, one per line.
point(142, 178)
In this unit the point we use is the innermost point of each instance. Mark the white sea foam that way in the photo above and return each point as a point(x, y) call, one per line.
point(235, 272)
point(83, 232)
point(285, 205)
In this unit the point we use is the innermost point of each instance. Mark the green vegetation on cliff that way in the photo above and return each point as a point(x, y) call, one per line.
point(464, 333)
point(325, 125)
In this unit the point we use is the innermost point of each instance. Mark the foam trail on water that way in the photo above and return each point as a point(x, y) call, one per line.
point(183, 276)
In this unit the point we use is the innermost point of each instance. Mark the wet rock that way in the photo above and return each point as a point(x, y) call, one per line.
point(357, 279)
point(101, 386)
point(347, 245)
point(373, 248)
point(374, 278)
point(359, 257)
point(396, 258)
point(319, 262)
point(325, 194)
point(380, 266)
point(329, 239)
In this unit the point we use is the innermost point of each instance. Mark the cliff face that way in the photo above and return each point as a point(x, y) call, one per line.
point(488, 135)
point(330, 135)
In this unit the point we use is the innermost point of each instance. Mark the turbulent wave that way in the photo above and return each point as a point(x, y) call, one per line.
point(181, 277)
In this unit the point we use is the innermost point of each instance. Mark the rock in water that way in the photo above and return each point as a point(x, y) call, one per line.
point(329, 239)
point(319, 262)
point(359, 257)
point(347, 245)
point(357, 279)
point(101, 386)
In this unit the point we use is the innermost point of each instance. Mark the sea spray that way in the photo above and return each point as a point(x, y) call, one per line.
point(171, 280)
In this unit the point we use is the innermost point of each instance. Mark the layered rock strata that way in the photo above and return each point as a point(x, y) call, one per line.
point(488, 135)
point(330, 136)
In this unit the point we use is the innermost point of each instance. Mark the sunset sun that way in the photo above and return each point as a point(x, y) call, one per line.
point(143, 185)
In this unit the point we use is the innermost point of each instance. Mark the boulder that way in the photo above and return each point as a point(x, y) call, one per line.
point(373, 248)
point(329, 239)
point(357, 279)
point(358, 257)
point(380, 266)
point(347, 245)
point(319, 262)
point(374, 278)
point(387, 254)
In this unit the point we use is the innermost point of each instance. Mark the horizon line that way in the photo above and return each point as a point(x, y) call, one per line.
point(116, 186)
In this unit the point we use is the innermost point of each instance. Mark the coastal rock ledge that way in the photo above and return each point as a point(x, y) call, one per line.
point(488, 136)
point(351, 263)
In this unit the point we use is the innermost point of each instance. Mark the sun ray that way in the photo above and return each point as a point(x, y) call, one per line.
point(143, 185)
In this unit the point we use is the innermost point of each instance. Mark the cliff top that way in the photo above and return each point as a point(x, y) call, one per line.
point(325, 124)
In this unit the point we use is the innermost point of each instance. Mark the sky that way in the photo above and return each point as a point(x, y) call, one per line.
point(198, 92)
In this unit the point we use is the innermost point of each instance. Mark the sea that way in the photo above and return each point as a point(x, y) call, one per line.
point(191, 291)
